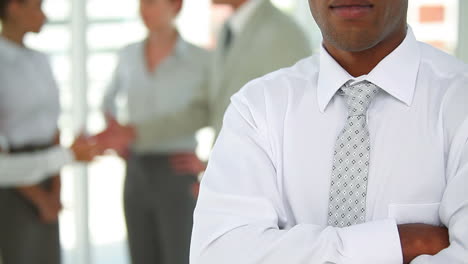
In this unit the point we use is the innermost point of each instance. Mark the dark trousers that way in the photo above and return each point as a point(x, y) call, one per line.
point(159, 211)
point(24, 239)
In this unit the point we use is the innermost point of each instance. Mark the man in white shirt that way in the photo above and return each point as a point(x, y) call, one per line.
point(358, 154)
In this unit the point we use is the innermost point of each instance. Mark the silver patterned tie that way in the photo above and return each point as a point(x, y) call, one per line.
point(348, 187)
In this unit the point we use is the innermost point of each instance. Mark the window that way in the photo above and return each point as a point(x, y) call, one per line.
point(435, 22)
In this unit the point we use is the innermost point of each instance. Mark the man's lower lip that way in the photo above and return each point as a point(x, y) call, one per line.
point(350, 12)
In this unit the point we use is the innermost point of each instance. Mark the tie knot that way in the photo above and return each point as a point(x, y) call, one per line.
point(359, 96)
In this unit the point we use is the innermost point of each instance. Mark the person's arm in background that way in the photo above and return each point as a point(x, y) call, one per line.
point(31, 168)
point(46, 204)
point(173, 125)
point(56, 186)
point(45, 199)
point(453, 210)
point(240, 214)
point(27, 169)
point(116, 136)
point(189, 162)
point(109, 104)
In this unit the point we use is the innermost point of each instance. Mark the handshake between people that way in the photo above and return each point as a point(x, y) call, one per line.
point(85, 148)
point(115, 137)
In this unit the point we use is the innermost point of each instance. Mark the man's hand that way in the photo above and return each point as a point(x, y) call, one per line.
point(187, 163)
point(86, 149)
point(422, 239)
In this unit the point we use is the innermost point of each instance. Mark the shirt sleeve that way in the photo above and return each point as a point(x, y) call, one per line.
point(31, 168)
point(109, 103)
point(240, 215)
point(454, 205)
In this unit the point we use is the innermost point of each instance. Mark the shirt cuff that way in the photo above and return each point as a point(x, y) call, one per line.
point(68, 156)
point(423, 259)
point(59, 157)
point(372, 242)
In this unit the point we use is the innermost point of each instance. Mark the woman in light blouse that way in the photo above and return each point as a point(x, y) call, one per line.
point(30, 154)
point(29, 109)
point(160, 85)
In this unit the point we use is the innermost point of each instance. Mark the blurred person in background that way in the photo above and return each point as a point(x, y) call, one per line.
point(29, 109)
point(162, 83)
point(257, 39)
point(30, 152)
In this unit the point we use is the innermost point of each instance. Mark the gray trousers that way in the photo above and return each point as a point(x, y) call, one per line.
point(24, 239)
point(159, 210)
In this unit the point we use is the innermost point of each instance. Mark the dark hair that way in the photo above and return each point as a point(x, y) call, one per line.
point(3, 7)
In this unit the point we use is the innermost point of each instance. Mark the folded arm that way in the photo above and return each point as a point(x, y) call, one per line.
point(240, 217)
point(454, 208)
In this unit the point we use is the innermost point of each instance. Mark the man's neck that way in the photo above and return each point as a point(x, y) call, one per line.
point(12, 33)
point(362, 62)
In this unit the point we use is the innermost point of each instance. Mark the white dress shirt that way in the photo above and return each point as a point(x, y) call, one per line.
point(166, 106)
point(29, 100)
point(264, 197)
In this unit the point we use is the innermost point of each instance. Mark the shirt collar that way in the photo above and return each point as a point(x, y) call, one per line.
point(180, 46)
point(242, 15)
point(396, 74)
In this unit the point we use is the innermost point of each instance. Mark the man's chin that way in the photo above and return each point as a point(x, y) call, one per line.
point(354, 43)
point(355, 48)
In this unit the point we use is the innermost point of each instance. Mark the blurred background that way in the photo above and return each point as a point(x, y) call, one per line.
point(82, 38)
